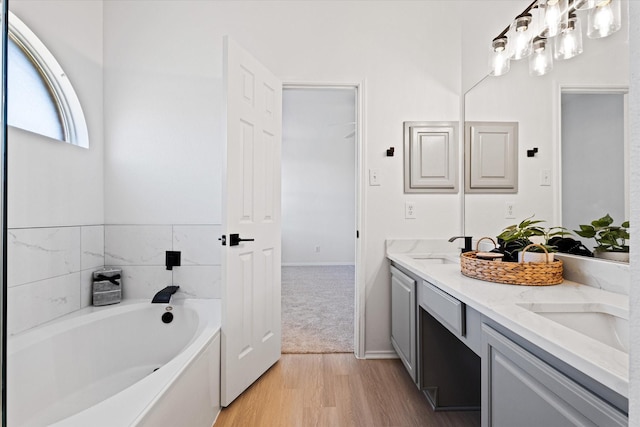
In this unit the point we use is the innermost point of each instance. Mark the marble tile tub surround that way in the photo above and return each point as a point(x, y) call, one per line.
point(49, 272)
point(606, 275)
point(140, 251)
point(50, 268)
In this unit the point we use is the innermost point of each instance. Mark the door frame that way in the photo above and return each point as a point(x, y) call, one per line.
point(360, 294)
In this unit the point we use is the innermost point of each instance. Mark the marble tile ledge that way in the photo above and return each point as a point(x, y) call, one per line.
point(423, 246)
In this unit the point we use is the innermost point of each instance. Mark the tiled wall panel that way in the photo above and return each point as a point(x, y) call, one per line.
point(50, 269)
point(140, 251)
point(49, 272)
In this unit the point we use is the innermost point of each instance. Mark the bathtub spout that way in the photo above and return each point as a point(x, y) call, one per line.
point(164, 296)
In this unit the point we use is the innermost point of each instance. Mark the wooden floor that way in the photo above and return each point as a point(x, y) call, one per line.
point(336, 390)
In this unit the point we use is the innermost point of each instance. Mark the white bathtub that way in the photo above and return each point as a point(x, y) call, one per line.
point(118, 366)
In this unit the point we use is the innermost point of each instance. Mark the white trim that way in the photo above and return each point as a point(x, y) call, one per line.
point(556, 122)
point(627, 157)
point(385, 354)
point(315, 264)
point(361, 285)
point(586, 89)
point(360, 291)
point(461, 164)
point(74, 125)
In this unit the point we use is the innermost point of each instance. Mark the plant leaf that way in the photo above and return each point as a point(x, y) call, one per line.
point(603, 222)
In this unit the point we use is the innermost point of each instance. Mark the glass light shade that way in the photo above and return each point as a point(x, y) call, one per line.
point(604, 19)
point(541, 60)
point(537, 22)
point(499, 59)
point(555, 14)
point(521, 34)
point(569, 43)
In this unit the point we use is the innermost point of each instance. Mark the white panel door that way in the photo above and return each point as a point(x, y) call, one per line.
point(251, 326)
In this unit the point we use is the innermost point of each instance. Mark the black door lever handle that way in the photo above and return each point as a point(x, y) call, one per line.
point(234, 240)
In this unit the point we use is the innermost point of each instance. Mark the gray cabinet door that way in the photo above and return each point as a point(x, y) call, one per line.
point(430, 157)
point(519, 389)
point(491, 157)
point(403, 319)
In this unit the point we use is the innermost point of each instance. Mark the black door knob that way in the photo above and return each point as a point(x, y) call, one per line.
point(234, 240)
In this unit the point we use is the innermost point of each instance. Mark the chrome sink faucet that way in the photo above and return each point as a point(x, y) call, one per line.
point(467, 243)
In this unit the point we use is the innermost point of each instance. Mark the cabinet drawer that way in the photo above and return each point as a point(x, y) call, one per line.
point(446, 309)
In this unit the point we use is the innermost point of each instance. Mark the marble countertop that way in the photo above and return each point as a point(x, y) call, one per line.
point(502, 303)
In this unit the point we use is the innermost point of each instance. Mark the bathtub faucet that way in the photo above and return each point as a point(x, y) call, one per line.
point(164, 296)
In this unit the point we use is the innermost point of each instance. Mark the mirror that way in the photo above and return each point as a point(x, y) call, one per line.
point(536, 104)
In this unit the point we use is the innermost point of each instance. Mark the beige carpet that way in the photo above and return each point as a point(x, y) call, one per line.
point(318, 309)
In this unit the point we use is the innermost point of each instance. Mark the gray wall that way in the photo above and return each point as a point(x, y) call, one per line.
point(318, 176)
point(593, 147)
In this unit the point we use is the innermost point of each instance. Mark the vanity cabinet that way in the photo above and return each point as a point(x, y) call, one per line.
point(449, 367)
point(520, 389)
point(403, 319)
point(464, 359)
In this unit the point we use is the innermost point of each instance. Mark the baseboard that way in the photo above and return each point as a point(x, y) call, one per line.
point(388, 354)
point(314, 264)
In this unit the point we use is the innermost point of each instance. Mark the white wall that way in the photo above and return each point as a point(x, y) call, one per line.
point(51, 183)
point(495, 100)
point(634, 297)
point(162, 87)
point(534, 103)
point(55, 194)
point(481, 22)
point(318, 176)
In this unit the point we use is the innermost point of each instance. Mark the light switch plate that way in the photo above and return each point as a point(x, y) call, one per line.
point(545, 177)
point(374, 177)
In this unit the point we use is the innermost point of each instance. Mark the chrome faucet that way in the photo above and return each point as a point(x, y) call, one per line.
point(467, 243)
point(164, 296)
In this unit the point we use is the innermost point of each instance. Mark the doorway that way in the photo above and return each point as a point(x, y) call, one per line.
point(319, 217)
point(594, 156)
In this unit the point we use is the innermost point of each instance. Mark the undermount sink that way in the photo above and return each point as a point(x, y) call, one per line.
point(602, 322)
point(432, 260)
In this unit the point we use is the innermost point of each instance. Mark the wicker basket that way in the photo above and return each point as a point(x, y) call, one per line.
point(512, 273)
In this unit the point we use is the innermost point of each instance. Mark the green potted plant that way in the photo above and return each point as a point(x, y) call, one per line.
point(516, 237)
point(611, 239)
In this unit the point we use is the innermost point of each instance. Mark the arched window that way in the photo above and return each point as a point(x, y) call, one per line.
point(40, 97)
